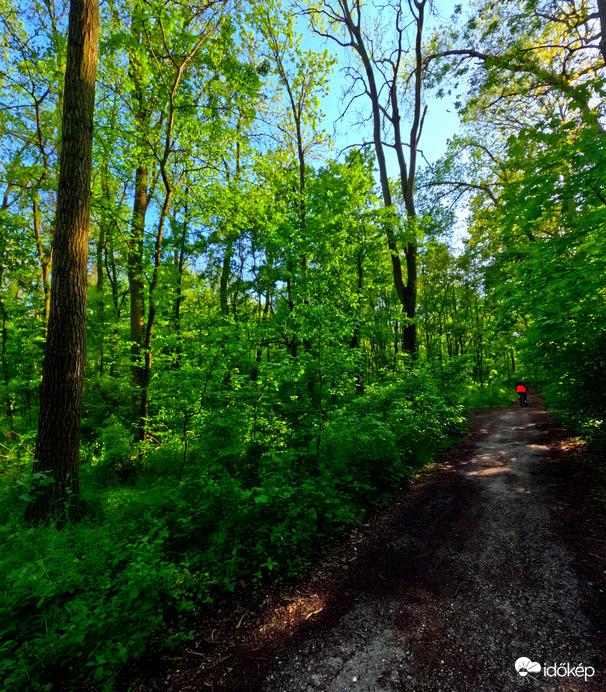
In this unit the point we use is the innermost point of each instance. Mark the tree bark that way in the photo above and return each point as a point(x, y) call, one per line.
point(151, 315)
point(99, 287)
point(169, 186)
point(9, 406)
point(104, 232)
point(8, 402)
point(58, 441)
point(407, 180)
point(44, 265)
point(350, 18)
point(180, 264)
point(136, 291)
point(355, 337)
point(602, 13)
point(136, 286)
point(224, 281)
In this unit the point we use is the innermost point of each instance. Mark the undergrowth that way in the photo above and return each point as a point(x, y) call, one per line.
point(81, 602)
point(490, 396)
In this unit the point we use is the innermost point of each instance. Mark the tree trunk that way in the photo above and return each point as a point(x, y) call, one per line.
point(8, 402)
point(9, 406)
point(153, 284)
point(355, 337)
point(44, 263)
point(112, 276)
point(407, 181)
point(99, 287)
point(135, 242)
point(58, 441)
point(602, 13)
point(180, 264)
point(409, 340)
point(136, 289)
point(406, 292)
point(224, 281)
point(151, 318)
point(105, 232)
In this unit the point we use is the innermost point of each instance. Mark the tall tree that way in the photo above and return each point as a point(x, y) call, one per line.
point(301, 77)
point(389, 71)
point(142, 113)
point(58, 441)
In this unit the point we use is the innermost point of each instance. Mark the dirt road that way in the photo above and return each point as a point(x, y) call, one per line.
point(496, 554)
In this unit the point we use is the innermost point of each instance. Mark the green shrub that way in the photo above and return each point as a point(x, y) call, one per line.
point(491, 396)
point(265, 485)
point(82, 601)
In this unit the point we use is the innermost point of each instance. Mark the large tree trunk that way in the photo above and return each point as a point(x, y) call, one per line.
point(58, 442)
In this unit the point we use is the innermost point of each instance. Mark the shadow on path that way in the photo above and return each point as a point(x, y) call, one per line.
point(493, 555)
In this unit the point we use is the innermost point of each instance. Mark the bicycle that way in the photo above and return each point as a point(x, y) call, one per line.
point(522, 398)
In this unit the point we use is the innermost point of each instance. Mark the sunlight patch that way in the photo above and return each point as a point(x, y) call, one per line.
point(302, 608)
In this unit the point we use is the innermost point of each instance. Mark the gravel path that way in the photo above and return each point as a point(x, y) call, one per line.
point(479, 566)
point(496, 554)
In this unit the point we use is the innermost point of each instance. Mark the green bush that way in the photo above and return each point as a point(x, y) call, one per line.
point(264, 486)
point(80, 602)
point(491, 396)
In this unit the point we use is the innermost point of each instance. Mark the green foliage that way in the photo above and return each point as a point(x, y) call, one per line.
point(280, 406)
point(538, 209)
point(32, 484)
point(490, 396)
point(394, 428)
point(82, 601)
point(554, 267)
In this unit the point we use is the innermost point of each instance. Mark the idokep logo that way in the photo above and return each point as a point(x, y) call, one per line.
point(524, 666)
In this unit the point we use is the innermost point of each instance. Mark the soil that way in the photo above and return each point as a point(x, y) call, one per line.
point(498, 552)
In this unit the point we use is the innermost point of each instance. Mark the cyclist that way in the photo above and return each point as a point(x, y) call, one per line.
point(522, 390)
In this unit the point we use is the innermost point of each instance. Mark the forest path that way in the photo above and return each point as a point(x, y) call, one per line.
point(496, 553)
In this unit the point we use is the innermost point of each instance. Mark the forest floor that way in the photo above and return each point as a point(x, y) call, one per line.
point(497, 552)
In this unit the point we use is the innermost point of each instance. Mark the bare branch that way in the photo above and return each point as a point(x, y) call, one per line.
point(458, 184)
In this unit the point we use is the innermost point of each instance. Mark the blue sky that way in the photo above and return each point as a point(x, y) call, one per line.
point(441, 121)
